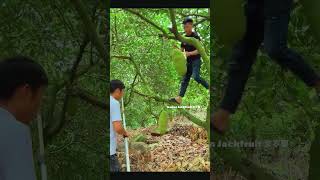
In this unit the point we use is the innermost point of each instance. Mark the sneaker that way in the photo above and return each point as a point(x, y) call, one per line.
point(173, 100)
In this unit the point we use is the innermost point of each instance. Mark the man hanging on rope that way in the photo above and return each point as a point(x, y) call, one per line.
point(116, 92)
point(193, 62)
point(267, 21)
point(22, 84)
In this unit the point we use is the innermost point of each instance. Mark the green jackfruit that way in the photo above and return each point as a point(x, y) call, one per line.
point(162, 125)
point(163, 122)
point(229, 21)
point(311, 10)
point(179, 61)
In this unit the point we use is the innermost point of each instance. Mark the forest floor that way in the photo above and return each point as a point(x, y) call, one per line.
point(184, 148)
point(284, 164)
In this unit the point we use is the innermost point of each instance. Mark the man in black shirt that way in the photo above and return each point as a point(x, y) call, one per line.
point(266, 21)
point(193, 62)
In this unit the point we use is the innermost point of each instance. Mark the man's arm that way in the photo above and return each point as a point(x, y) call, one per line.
point(117, 126)
point(115, 115)
point(192, 53)
point(195, 52)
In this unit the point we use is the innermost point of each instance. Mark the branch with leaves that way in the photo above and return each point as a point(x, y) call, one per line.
point(191, 117)
point(164, 32)
point(90, 29)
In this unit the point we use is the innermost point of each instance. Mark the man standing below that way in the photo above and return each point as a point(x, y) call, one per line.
point(116, 93)
point(22, 84)
point(193, 62)
point(266, 21)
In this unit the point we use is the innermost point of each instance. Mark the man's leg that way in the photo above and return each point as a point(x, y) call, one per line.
point(275, 40)
point(186, 79)
point(114, 164)
point(242, 58)
point(184, 84)
point(196, 66)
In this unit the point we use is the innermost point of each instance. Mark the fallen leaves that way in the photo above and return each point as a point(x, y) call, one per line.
point(183, 149)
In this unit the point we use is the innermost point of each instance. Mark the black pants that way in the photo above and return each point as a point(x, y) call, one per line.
point(114, 164)
point(266, 22)
point(193, 69)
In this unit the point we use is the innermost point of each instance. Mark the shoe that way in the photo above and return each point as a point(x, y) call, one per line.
point(214, 129)
point(173, 100)
point(220, 121)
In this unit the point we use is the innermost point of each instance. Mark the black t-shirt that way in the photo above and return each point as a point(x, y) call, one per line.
point(189, 48)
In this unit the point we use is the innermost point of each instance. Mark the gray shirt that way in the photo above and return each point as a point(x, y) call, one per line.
point(115, 115)
point(16, 158)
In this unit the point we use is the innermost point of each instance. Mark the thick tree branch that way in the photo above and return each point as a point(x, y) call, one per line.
point(164, 32)
point(90, 29)
point(131, 87)
point(91, 99)
point(199, 22)
point(158, 99)
point(194, 14)
point(55, 125)
point(135, 65)
point(191, 117)
point(121, 57)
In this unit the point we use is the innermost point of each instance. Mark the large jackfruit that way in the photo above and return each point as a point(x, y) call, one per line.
point(179, 61)
point(229, 21)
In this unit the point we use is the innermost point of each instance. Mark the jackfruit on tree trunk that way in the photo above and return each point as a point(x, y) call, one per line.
point(162, 124)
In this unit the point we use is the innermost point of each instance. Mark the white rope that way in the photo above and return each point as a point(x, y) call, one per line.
point(125, 139)
point(43, 167)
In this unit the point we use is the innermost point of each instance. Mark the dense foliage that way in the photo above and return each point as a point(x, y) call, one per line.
point(142, 43)
point(140, 57)
point(65, 37)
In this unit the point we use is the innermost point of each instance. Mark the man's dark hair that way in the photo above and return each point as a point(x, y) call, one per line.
point(116, 84)
point(187, 20)
point(18, 71)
